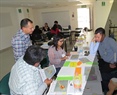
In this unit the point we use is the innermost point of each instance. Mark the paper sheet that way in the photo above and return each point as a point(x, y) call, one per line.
point(48, 72)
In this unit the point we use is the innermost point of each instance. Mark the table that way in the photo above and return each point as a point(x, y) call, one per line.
point(95, 86)
point(78, 69)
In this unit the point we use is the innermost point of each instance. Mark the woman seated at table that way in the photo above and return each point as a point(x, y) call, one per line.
point(56, 53)
point(55, 29)
point(46, 28)
point(112, 86)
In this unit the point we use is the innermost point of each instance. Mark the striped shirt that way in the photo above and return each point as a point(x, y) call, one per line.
point(20, 42)
point(25, 79)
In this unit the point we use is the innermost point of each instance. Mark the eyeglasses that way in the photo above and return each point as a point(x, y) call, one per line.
point(61, 41)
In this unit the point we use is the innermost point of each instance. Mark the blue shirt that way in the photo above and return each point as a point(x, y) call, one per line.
point(94, 47)
point(20, 42)
point(107, 48)
point(25, 79)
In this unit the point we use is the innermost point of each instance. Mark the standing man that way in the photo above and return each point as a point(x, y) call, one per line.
point(21, 41)
point(108, 52)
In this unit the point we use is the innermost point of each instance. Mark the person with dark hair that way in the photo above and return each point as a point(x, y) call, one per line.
point(21, 41)
point(56, 53)
point(36, 35)
point(46, 28)
point(107, 49)
point(58, 25)
point(25, 78)
point(55, 29)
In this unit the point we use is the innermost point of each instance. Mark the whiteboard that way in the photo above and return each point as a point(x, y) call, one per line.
point(62, 17)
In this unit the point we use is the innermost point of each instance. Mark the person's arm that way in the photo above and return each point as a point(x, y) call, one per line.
point(31, 88)
point(113, 45)
point(94, 47)
point(48, 28)
point(57, 31)
point(112, 87)
point(60, 27)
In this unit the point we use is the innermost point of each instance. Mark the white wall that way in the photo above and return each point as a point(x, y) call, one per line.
point(24, 13)
point(39, 19)
point(6, 32)
point(113, 14)
point(101, 13)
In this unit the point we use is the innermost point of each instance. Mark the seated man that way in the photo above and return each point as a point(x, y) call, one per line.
point(25, 78)
point(112, 86)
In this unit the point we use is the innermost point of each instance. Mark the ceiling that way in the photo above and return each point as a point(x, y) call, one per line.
point(42, 3)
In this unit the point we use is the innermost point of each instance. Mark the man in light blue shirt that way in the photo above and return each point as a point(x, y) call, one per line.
point(25, 78)
point(107, 48)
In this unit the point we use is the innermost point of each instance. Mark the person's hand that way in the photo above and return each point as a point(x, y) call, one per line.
point(68, 54)
point(64, 58)
point(48, 81)
point(112, 66)
point(93, 40)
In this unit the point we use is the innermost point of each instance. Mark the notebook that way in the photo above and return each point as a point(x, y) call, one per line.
point(74, 57)
point(48, 72)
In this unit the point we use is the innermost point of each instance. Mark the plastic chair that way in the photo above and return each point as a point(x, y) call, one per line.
point(4, 88)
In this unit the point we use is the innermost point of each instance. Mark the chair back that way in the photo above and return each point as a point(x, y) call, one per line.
point(4, 87)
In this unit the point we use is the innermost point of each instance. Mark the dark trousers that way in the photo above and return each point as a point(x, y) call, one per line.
point(106, 73)
point(57, 71)
point(104, 67)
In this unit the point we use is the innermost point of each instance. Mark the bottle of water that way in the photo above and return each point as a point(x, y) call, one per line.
point(80, 50)
point(69, 27)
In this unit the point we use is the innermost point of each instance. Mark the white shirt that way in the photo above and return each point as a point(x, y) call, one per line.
point(25, 79)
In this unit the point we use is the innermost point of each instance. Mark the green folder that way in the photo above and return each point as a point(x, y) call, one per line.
point(89, 63)
point(66, 63)
point(64, 78)
point(92, 63)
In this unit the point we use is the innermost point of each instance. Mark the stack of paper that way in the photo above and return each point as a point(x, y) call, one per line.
point(72, 63)
point(48, 72)
point(74, 57)
point(66, 73)
point(84, 60)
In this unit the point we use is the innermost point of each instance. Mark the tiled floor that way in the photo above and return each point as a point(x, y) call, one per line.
point(7, 59)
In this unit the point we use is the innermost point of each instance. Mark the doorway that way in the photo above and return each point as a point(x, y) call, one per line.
point(83, 15)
